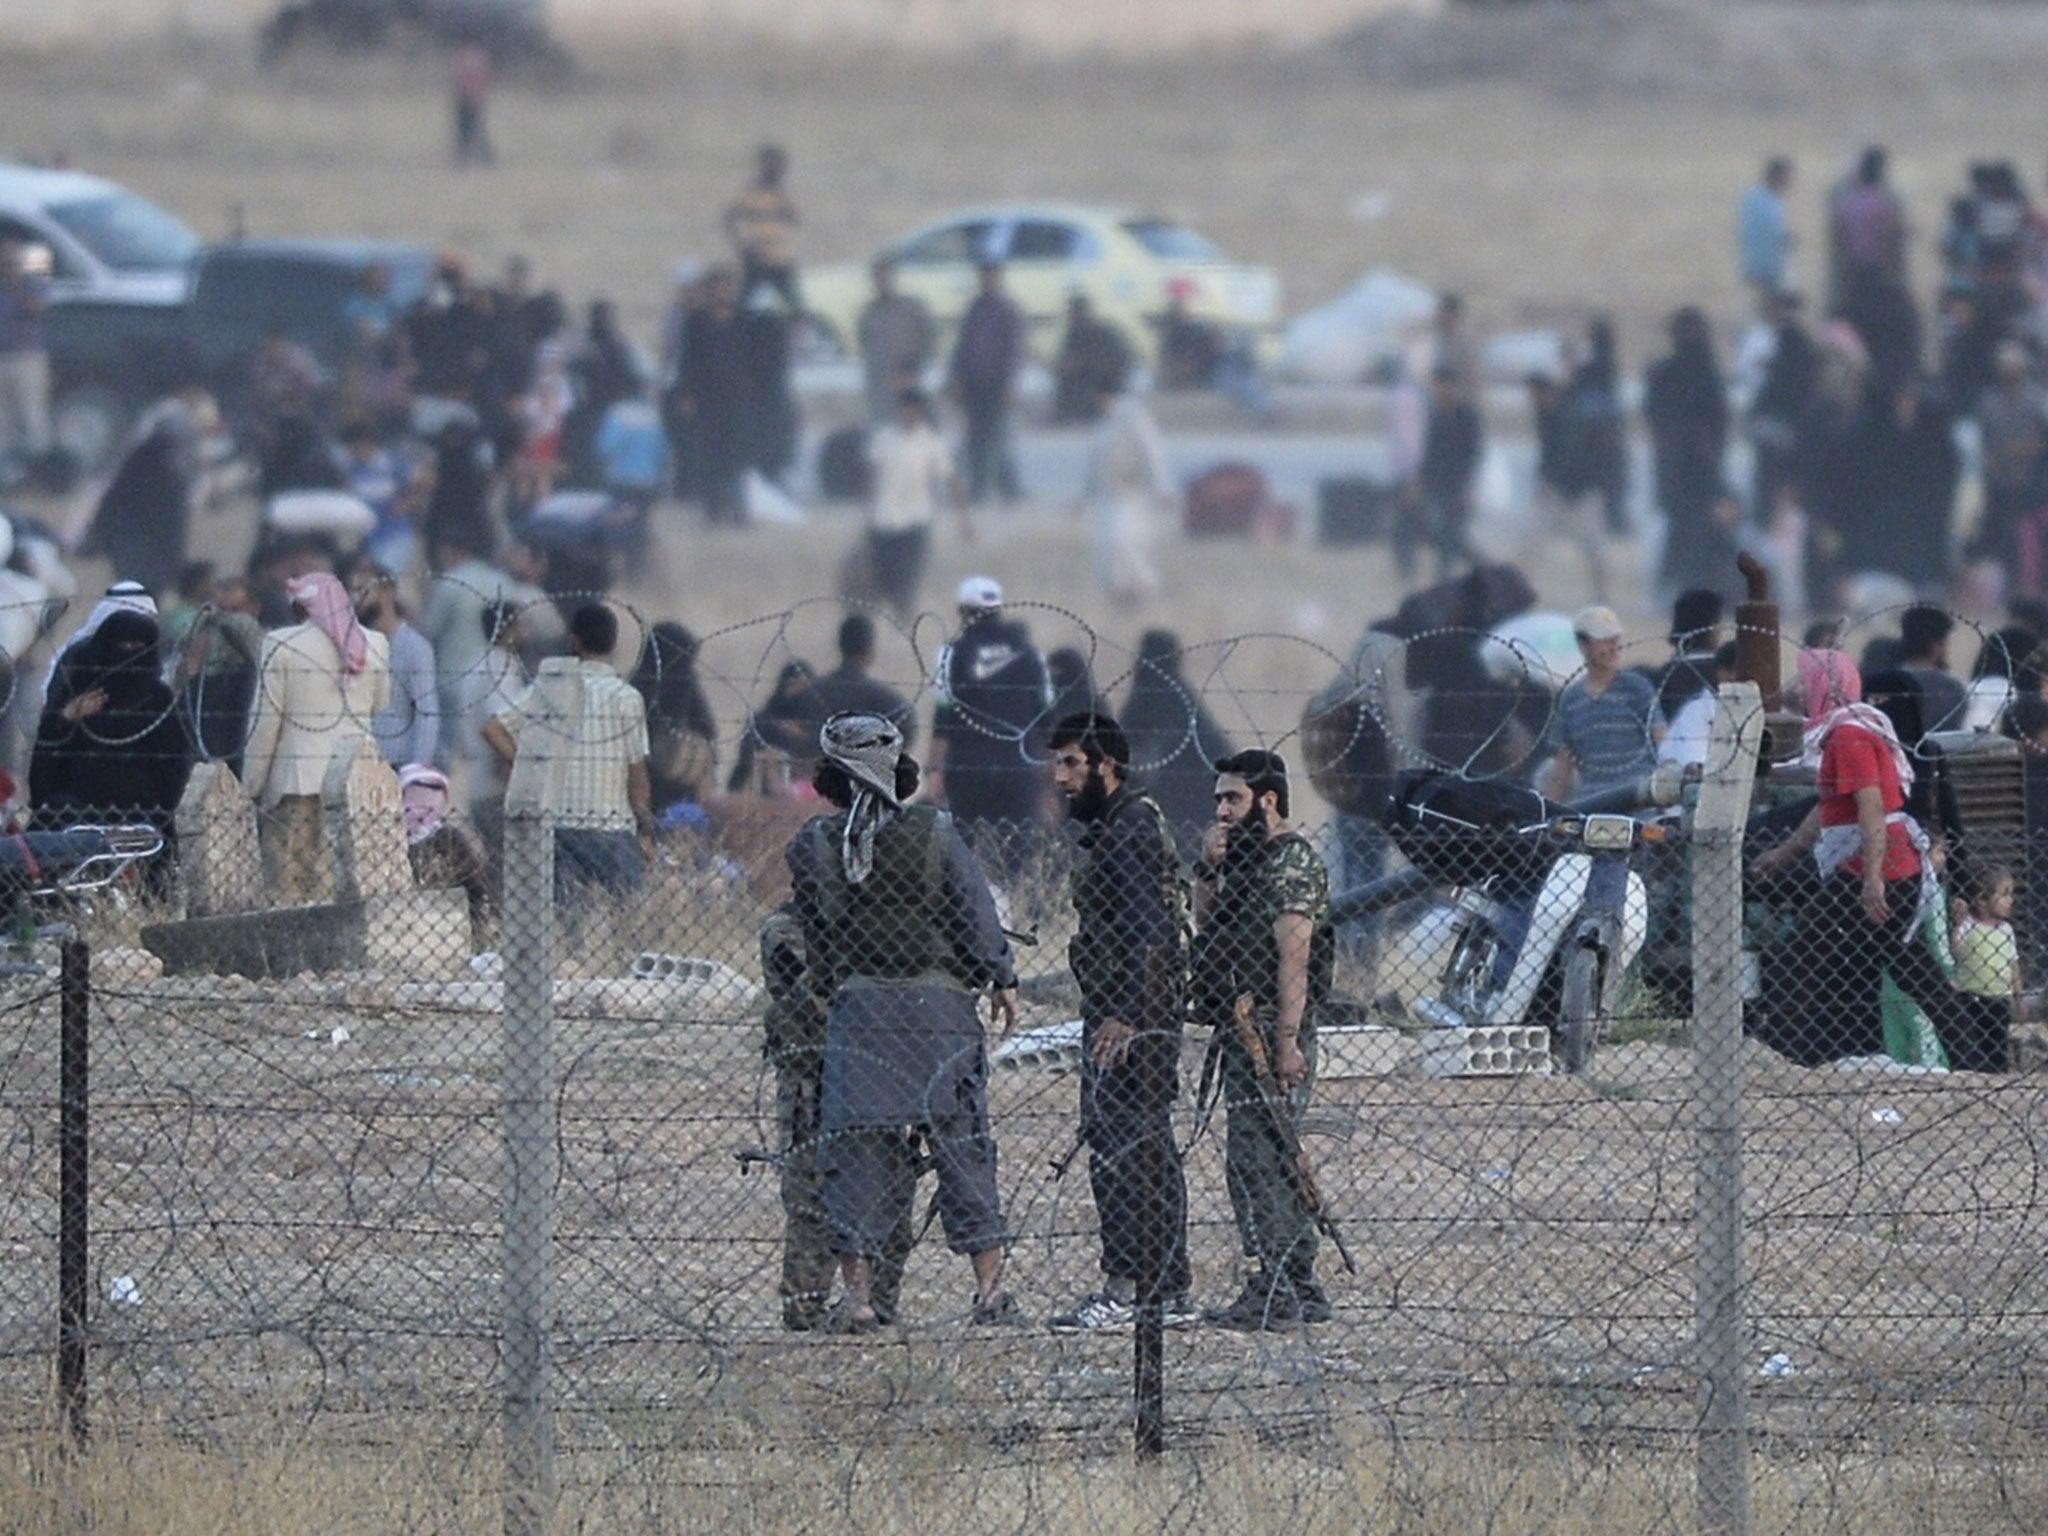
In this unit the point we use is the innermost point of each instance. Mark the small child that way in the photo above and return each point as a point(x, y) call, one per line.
point(1987, 975)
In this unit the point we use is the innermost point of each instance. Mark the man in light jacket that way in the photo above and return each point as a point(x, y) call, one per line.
point(319, 684)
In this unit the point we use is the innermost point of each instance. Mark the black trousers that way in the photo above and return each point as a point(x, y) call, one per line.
point(1984, 1041)
point(991, 471)
point(1822, 991)
point(1134, 1164)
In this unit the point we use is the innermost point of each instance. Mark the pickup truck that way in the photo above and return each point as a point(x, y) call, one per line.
point(110, 364)
point(118, 267)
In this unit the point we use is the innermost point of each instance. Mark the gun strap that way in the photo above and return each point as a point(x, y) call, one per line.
point(1207, 1089)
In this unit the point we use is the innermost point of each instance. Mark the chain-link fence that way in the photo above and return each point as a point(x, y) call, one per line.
point(1462, 1121)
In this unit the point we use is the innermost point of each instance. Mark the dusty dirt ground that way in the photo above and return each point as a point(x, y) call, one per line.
point(310, 1228)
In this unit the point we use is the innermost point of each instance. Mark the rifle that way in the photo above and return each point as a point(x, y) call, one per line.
point(1280, 1113)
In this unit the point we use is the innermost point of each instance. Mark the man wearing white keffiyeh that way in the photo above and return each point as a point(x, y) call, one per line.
point(866, 748)
point(900, 937)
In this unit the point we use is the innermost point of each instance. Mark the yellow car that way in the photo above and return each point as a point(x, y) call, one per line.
point(1125, 263)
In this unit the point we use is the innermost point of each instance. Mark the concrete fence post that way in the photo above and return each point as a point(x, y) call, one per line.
point(531, 1156)
point(1722, 1454)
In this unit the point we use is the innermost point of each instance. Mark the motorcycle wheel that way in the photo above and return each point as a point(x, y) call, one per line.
point(1468, 976)
point(1578, 1009)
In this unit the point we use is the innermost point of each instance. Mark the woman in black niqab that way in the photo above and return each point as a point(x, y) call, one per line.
point(110, 745)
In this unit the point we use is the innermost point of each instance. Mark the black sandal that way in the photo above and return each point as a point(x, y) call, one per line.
point(1000, 1309)
point(843, 1319)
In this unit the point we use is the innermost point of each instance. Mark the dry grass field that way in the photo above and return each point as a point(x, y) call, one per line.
point(1547, 160)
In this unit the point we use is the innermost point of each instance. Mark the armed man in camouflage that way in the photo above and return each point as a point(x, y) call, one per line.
point(1262, 905)
point(1129, 959)
point(795, 1048)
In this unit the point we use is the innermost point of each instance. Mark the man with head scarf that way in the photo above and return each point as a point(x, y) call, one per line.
point(900, 937)
point(442, 851)
point(319, 685)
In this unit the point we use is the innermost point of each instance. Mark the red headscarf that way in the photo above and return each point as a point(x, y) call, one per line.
point(328, 609)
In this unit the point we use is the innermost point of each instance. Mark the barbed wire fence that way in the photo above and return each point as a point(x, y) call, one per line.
point(481, 1171)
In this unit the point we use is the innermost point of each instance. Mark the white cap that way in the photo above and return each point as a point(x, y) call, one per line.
point(980, 592)
point(1597, 623)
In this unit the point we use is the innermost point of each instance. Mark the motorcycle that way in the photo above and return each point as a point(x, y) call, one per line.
point(1536, 908)
point(60, 871)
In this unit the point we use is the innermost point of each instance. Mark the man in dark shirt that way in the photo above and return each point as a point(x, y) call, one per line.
point(849, 689)
point(1695, 634)
point(716, 394)
point(992, 692)
point(1451, 446)
point(1090, 367)
point(986, 356)
point(1923, 651)
point(1127, 957)
point(1783, 398)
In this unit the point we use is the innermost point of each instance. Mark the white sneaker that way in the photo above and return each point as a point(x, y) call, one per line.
point(1097, 1312)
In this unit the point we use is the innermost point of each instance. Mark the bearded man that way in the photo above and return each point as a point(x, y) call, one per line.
point(1128, 957)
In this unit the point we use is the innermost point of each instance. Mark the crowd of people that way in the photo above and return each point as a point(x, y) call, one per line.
point(504, 459)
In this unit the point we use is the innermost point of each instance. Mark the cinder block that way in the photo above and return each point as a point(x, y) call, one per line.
point(1487, 1050)
point(713, 980)
point(1364, 1050)
point(1047, 1048)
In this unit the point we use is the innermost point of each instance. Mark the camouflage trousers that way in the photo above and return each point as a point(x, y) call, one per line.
point(808, 1264)
point(1271, 1224)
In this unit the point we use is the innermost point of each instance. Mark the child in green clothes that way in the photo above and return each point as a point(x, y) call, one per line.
point(1987, 976)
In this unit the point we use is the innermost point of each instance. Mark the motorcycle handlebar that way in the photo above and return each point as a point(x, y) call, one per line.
point(1663, 786)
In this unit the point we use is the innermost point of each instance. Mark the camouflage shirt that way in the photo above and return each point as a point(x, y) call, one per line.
point(1241, 952)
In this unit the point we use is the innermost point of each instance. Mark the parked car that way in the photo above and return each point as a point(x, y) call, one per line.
point(1124, 262)
point(120, 268)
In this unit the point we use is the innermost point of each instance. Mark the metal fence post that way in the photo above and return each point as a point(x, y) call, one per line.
point(531, 1156)
point(1722, 1453)
point(1148, 1367)
point(74, 1175)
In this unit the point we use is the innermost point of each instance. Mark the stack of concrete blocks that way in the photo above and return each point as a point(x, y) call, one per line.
point(1364, 1050)
point(1046, 1048)
point(712, 977)
point(1487, 1050)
